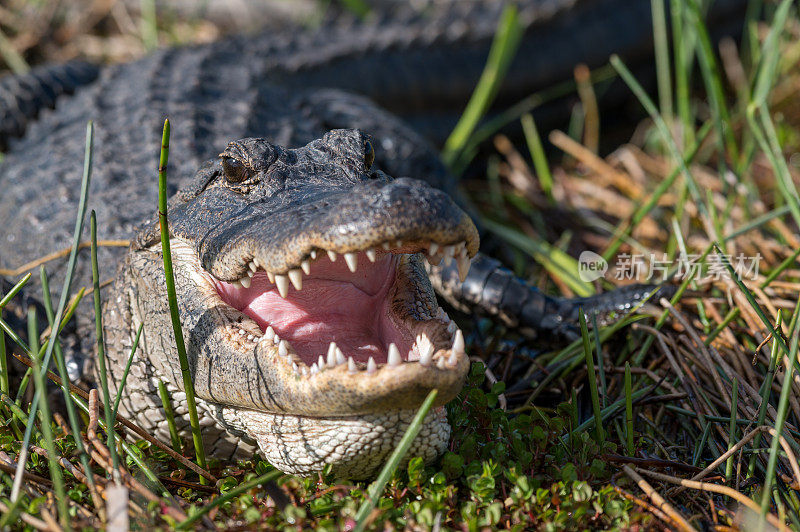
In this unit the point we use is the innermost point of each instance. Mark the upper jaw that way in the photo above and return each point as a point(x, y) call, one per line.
point(279, 234)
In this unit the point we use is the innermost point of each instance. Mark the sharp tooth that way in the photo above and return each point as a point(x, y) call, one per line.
point(351, 365)
point(352, 261)
point(426, 357)
point(252, 266)
point(242, 332)
point(245, 282)
point(453, 358)
point(434, 260)
point(371, 366)
point(277, 339)
point(463, 267)
point(386, 246)
point(339, 357)
point(332, 355)
point(271, 277)
point(251, 337)
point(305, 371)
point(256, 263)
point(433, 248)
point(237, 283)
point(250, 273)
point(458, 342)
point(321, 362)
point(296, 276)
point(282, 351)
point(313, 254)
point(393, 358)
point(306, 266)
point(440, 363)
point(463, 249)
point(295, 368)
point(314, 369)
point(371, 254)
point(449, 251)
point(282, 282)
point(332, 255)
point(270, 334)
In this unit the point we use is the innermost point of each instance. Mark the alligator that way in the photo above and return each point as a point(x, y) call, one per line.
point(307, 251)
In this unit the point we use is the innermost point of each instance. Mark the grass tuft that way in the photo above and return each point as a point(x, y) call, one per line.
point(188, 384)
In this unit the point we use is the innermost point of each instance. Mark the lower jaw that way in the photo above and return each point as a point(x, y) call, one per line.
point(356, 447)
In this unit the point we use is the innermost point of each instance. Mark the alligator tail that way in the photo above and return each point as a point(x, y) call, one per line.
point(23, 96)
point(492, 289)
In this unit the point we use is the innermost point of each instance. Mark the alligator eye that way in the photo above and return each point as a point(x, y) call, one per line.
point(369, 155)
point(235, 170)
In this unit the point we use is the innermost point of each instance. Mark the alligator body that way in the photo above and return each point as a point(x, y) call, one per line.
point(312, 327)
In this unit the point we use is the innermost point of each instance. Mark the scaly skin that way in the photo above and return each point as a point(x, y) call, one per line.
point(310, 407)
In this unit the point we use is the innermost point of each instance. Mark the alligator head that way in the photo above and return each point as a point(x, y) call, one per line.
point(310, 323)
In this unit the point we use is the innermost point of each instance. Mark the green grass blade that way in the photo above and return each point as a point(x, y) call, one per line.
point(71, 263)
point(536, 150)
point(758, 222)
point(783, 408)
point(628, 411)
point(729, 317)
point(33, 334)
point(149, 24)
point(504, 47)
point(188, 385)
point(62, 369)
point(14, 290)
point(712, 80)
point(4, 387)
point(376, 488)
point(47, 433)
point(598, 348)
point(12, 58)
point(778, 335)
point(732, 428)
point(124, 378)
point(169, 414)
point(767, 68)
point(682, 44)
point(766, 388)
point(101, 350)
point(592, 378)
point(661, 46)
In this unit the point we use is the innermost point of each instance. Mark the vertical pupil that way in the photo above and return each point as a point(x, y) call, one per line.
point(235, 171)
point(369, 155)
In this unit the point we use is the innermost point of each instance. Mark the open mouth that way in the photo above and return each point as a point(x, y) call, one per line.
point(359, 311)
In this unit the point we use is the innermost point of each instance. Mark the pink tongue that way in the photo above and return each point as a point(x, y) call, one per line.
point(335, 305)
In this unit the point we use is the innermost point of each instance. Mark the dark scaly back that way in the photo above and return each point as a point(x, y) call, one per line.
point(24, 96)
